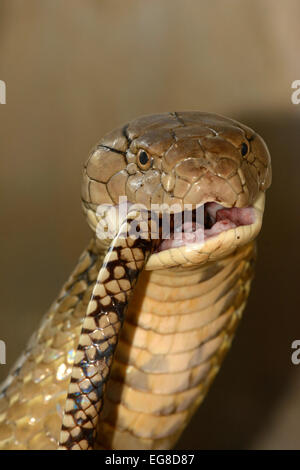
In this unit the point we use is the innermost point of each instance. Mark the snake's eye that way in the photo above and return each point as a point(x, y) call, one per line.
point(144, 161)
point(244, 149)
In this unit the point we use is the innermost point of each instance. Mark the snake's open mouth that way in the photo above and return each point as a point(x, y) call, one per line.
point(222, 231)
point(207, 221)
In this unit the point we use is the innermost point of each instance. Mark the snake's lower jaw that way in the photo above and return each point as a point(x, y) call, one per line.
point(213, 247)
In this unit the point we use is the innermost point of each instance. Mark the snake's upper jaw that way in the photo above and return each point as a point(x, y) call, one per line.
point(224, 230)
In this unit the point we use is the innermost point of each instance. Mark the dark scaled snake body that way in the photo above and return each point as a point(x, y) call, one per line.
point(127, 352)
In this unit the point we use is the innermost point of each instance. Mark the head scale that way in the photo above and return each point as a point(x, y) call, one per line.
point(178, 158)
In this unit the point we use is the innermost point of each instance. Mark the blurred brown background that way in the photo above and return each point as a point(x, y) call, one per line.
point(73, 71)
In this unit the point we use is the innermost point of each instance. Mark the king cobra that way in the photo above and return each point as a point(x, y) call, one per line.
point(129, 349)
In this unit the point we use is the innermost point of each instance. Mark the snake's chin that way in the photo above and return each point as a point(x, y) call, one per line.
point(225, 229)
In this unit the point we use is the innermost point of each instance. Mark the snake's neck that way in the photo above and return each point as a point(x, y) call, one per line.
point(178, 327)
point(33, 396)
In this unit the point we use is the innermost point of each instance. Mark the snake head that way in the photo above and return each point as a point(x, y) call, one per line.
point(211, 163)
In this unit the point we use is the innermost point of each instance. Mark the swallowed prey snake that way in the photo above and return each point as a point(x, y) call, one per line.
point(127, 352)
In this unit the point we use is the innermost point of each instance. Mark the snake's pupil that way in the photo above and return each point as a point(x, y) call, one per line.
point(244, 149)
point(143, 157)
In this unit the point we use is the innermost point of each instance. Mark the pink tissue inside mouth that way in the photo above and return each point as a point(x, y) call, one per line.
point(217, 219)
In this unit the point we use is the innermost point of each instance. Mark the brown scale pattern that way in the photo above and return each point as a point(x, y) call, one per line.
point(31, 405)
point(33, 397)
point(196, 158)
point(183, 313)
point(116, 280)
point(160, 376)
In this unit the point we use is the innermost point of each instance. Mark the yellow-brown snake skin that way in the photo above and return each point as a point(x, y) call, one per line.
point(127, 352)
